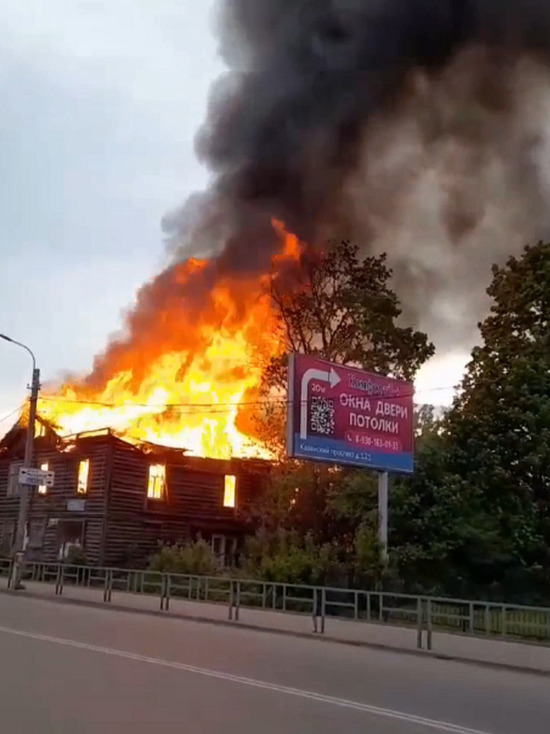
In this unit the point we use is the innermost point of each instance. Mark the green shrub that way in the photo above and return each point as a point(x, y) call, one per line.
point(283, 557)
point(192, 558)
point(75, 557)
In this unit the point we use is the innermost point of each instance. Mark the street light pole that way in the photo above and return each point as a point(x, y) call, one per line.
point(19, 549)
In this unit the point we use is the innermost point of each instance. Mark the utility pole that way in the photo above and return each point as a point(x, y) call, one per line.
point(19, 546)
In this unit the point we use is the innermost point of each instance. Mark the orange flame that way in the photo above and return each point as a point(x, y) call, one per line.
point(187, 376)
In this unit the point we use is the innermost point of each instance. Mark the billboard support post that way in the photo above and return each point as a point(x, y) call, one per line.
point(383, 484)
point(346, 416)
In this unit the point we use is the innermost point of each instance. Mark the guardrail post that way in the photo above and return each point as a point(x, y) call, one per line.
point(60, 577)
point(238, 601)
point(419, 622)
point(231, 598)
point(108, 589)
point(369, 611)
point(316, 608)
point(504, 622)
point(323, 609)
point(356, 605)
point(430, 624)
point(472, 618)
point(163, 593)
point(487, 621)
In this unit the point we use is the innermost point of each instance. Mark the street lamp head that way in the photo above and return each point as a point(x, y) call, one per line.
point(23, 346)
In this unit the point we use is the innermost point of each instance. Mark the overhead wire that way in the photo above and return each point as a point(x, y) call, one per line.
point(212, 407)
point(12, 413)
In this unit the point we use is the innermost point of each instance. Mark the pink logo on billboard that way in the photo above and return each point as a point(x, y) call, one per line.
point(374, 389)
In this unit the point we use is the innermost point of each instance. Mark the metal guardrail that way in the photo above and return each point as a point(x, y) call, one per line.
point(424, 614)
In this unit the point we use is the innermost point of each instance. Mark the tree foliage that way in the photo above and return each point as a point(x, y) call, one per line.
point(500, 424)
point(342, 308)
point(474, 519)
point(477, 510)
point(194, 557)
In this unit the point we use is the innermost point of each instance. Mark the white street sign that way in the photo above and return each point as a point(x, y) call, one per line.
point(36, 477)
point(330, 376)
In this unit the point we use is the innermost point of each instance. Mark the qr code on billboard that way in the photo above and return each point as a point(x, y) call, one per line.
point(321, 417)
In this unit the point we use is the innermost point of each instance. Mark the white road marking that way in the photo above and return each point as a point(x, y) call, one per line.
point(441, 726)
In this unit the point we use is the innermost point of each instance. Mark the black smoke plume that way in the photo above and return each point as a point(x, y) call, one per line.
point(312, 122)
point(415, 127)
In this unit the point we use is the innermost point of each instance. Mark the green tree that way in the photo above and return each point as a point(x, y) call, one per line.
point(475, 517)
point(340, 307)
point(500, 423)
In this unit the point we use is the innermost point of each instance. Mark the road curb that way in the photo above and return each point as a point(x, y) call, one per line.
point(540, 672)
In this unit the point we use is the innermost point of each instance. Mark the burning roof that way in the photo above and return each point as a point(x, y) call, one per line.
point(13, 444)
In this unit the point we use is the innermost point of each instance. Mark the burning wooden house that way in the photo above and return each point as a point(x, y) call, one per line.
point(185, 371)
point(115, 500)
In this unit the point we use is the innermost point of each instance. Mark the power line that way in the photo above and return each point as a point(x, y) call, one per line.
point(161, 405)
point(193, 407)
point(11, 414)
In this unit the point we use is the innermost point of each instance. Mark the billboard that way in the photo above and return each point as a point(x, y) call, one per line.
point(343, 415)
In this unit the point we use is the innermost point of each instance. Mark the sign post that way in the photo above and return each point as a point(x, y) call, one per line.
point(383, 484)
point(343, 415)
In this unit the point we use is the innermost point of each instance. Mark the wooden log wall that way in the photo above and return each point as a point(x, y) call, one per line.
point(53, 508)
point(120, 524)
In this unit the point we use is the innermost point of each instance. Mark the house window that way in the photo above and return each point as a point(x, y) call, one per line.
point(83, 476)
point(156, 488)
point(13, 479)
point(39, 430)
point(230, 482)
point(42, 489)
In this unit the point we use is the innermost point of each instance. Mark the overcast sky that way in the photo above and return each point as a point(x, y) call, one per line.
point(100, 104)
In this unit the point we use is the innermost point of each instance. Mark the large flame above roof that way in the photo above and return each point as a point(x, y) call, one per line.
point(185, 376)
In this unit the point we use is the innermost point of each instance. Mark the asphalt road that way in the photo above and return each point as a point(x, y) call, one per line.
point(75, 670)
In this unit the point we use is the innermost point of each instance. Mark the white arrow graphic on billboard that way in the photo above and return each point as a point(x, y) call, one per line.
point(330, 376)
